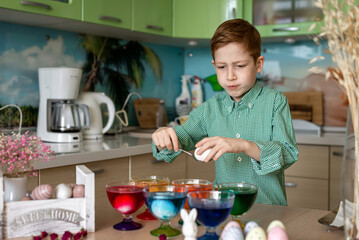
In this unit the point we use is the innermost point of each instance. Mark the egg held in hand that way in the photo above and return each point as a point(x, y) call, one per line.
point(203, 156)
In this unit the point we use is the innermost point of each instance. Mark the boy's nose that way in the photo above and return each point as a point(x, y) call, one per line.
point(231, 75)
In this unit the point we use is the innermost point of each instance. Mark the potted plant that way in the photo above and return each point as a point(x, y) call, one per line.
point(17, 153)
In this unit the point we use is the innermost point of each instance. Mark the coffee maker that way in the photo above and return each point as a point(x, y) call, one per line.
point(60, 119)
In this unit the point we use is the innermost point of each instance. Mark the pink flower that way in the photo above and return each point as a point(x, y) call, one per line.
point(53, 236)
point(67, 236)
point(44, 234)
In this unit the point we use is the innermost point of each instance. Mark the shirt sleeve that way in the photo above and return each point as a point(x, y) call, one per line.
point(281, 151)
point(191, 132)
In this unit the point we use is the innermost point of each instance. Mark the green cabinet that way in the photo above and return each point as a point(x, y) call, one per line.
point(153, 16)
point(200, 18)
point(71, 9)
point(276, 18)
point(115, 13)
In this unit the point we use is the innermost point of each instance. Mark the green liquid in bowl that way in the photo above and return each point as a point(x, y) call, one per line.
point(244, 199)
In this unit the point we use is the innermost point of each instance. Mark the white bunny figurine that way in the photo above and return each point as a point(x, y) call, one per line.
point(189, 228)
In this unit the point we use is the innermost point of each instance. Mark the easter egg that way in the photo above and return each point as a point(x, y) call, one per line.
point(42, 192)
point(163, 209)
point(63, 191)
point(275, 223)
point(249, 227)
point(26, 198)
point(256, 233)
point(125, 204)
point(78, 191)
point(232, 231)
point(203, 155)
point(277, 233)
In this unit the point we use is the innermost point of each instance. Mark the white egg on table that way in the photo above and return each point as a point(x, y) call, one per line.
point(249, 226)
point(277, 233)
point(256, 233)
point(203, 155)
point(275, 223)
point(42, 192)
point(63, 191)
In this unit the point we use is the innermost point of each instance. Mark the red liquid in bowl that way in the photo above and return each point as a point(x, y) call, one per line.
point(125, 199)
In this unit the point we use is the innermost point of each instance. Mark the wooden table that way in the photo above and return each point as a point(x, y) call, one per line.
point(301, 224)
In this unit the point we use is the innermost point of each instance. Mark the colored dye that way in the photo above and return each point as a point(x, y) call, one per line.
point(125, 199)
point(244, 199)
point(165, 205)
point(212, 217)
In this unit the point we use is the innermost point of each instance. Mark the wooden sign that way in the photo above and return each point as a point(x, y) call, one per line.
point(29, 218)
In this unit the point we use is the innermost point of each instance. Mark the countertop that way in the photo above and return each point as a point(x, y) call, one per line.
point(127, 144)
point(300, 223)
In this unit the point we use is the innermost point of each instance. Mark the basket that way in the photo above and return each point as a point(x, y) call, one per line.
point(147, 112)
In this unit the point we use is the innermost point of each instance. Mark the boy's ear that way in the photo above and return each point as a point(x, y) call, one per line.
point(213, 63)
point(260, 62)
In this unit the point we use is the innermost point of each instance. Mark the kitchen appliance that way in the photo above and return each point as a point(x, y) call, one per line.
point(93, 100)
point(59, 118)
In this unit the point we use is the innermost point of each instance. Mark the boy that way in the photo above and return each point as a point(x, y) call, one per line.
point(248, 127)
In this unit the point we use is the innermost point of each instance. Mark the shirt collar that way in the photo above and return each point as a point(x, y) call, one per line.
point(246, 101)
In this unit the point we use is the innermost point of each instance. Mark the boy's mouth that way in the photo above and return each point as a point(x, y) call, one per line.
point(232, 87)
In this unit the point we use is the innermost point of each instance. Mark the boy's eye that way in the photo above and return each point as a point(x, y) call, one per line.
point(220, 67)
point(239, 66)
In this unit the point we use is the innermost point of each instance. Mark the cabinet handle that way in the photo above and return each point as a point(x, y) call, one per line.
point(36, 4)
point(153, 27)
point(155, 161)
point(338, 154)
point(234, 13)
point(98, 171)
point(286, 29)
point(290, 184)
point(114, 19)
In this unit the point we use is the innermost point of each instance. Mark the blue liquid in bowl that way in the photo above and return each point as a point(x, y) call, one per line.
point(212, 217)
point(165, 205)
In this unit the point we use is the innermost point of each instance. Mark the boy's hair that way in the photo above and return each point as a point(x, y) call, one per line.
point(237, 31)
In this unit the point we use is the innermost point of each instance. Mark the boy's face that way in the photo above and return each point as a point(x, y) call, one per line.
point(236, 69)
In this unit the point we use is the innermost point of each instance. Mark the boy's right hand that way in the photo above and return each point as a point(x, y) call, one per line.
point(166, 137)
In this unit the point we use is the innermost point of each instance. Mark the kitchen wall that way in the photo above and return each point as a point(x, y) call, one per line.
point(23, 49)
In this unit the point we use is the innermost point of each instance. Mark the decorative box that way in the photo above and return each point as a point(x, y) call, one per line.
point(30, 218)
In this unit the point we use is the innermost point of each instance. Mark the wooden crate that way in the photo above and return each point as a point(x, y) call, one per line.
point(29, 218)
point(146, 112)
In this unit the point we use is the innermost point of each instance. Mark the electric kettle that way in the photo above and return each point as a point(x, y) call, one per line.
point(93, 100)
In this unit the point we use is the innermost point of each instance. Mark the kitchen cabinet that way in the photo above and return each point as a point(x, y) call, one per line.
point(105, 172)
point(276, 18)
point(153, 16)
point(147, 165)
point(63, 9)
point(108, 12)
point(200, 18)
point(307, 180)
point(200, 170)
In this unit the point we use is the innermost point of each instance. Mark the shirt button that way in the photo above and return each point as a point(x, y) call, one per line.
point(250, 105)
point(239, 159)
point(239, 115)
point(238, 135)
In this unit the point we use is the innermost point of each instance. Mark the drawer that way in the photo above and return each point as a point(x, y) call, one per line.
point(313, 162)
point(307, 193)
point(201, 170)
point(146, 165)
point(336, 158)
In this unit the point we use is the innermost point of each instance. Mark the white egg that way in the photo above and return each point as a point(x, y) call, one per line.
point(257, 233)
point(63, 191)
point(249, 227)
point(203, 155)
point(275, 223)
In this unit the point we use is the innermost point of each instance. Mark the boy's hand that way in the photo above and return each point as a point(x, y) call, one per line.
point(166, 137)
point(221, 145)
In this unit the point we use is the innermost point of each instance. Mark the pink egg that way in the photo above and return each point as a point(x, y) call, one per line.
point(42, 192)
point(26, 198)
point(78, 191)
point(72, 185)
point(277, 233)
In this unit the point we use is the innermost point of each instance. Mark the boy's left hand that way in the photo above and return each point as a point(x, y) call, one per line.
point(221, 145)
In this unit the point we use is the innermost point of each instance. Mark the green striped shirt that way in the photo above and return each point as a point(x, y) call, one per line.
point(261, 116)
